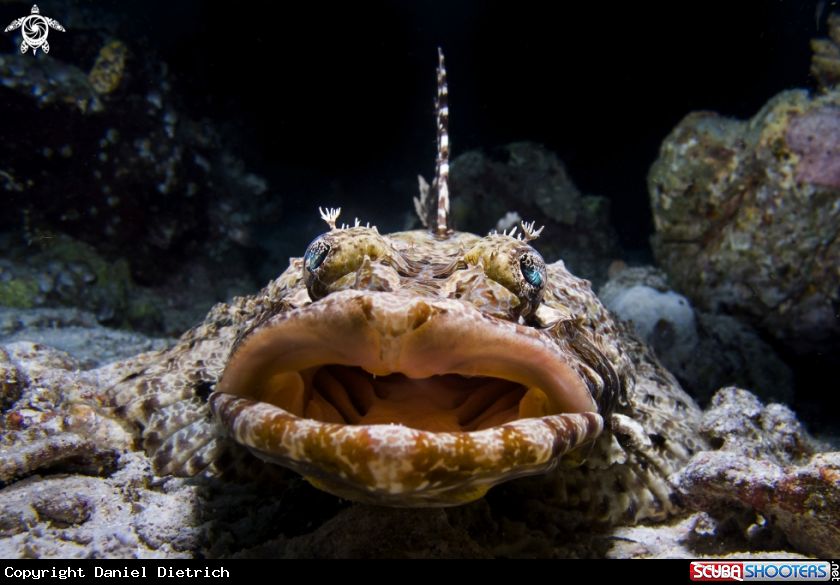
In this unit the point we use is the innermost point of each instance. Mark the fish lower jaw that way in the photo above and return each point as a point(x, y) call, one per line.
point(394, 465)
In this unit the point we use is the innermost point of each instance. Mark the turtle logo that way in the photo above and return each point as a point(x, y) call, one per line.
point(35, 29)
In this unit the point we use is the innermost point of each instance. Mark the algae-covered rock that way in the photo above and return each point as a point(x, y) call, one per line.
point(19, 291)
point(66, 272)
point(747, 216)
point(61, 272)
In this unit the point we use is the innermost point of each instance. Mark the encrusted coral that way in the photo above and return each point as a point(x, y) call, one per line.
point(801, 501)
point(11, 382)
point(815, 137)
point(766, 462)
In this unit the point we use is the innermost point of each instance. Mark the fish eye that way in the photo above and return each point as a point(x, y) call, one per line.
point(314, 270)
point(332, 259)
point(533, 280)
point(515, 265)
point(315, 254)
point(533, 270)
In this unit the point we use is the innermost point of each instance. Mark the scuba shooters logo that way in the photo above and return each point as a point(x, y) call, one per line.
point(717, 571)
point(763, 571)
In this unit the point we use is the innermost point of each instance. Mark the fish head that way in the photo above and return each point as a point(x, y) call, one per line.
point(418, 368)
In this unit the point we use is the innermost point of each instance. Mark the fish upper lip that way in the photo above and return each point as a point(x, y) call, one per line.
point(385, 333)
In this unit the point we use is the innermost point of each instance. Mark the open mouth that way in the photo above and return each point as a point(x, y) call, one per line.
point(442, 403)
point(351, 390)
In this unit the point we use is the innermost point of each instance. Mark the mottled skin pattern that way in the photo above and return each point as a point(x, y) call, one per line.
point(421, 369)
point(650, 423)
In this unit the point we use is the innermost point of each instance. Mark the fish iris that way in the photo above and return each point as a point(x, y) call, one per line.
point(315, 256)
point(531, 273)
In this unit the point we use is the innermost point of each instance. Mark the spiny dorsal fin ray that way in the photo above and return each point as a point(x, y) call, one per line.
point(441, 183)
point(423, 204)
point(433, 204)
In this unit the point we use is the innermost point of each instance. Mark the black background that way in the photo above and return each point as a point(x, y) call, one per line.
point(336, 98)
point(342, 92)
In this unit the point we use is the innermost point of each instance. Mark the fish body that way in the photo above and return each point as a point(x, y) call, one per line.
point(615, 466)
point(420, 369)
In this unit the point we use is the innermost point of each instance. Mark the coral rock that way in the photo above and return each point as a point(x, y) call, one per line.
point(815, 136)
point(802, 501)
point(57, 421)
point(705, 352)
point(740, 423)
point(108, 69)
point(766, 463)
point(747, 216)
point(114, 160)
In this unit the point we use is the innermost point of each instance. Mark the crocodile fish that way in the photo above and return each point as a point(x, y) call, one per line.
point(421, 368)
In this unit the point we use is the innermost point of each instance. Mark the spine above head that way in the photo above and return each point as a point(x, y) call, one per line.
point(441, 183)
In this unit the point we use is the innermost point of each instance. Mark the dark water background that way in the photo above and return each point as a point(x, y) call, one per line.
point(338, 96)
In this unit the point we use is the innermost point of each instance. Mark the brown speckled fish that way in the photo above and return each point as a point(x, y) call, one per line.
point(420, 369)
